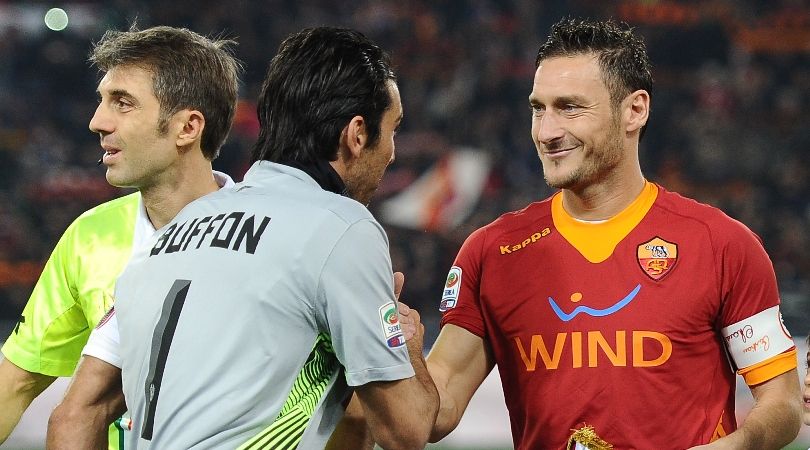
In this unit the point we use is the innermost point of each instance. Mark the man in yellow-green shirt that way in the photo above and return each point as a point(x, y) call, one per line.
point(166, 104)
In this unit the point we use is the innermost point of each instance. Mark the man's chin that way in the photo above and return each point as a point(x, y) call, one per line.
point(120, 182)
point(561, 182)
point(113, 181)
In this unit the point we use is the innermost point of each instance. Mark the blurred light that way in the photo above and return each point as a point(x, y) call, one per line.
point(56, 19)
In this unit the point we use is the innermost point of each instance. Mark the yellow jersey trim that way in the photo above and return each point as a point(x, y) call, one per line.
point(597, 240)
point(770, 368)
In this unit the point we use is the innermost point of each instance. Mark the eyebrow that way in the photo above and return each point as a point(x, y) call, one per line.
point(578, 99)
point(117, 93)
point(564, 100)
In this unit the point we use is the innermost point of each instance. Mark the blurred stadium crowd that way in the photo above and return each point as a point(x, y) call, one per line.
point(732, 85)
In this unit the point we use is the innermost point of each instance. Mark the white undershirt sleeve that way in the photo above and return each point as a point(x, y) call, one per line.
point(104, 340)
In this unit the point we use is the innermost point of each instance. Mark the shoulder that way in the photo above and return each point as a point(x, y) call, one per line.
point(718, 224)
point(522, 220)
point(350, 221)
point(121, 208)
point(290, 190)
point(306, 203)
point(108, 218)
point(346, 209)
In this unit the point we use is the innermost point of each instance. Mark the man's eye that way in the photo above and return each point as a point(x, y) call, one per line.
point(122, 104)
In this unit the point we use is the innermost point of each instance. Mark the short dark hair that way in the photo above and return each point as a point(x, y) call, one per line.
point(319, 79)
point(188, 71)
point(622, 55)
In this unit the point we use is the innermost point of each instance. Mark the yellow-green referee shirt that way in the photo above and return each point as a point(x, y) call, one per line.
point(76, 289)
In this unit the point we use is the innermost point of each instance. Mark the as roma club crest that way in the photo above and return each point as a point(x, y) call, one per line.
point(657, 257)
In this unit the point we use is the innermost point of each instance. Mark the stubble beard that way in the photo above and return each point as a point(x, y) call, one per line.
point(595, 164)
point(360, 194)
point(134, 177)
point(361, 184)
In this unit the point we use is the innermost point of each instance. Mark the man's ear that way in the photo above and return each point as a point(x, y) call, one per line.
point(354, 137)
point(191, 124)
point(637, 110)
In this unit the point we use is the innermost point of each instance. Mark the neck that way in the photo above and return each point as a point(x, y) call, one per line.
point(166, 198)
point(605, 199)
point(323, 172)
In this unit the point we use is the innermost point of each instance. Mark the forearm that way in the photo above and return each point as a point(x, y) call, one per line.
point(18, 388)
point(352, 430)
point(458, 363)
point(70, 429)
point(428, 406)
point(392, 429)
point(774, 420)
point(411, 430)
point(9, 419)
point(13, 407)
point(92, 402)
point(767, 426)
point(447, 418)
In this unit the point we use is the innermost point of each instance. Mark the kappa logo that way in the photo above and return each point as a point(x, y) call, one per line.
point(451, 289)
point(657, 257)
point(392, 330)
point(536, 236)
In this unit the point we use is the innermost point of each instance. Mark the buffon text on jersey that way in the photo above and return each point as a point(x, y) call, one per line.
point(231, 231)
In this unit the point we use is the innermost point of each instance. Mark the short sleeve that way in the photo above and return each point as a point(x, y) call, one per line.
point(52, 329)
point(356, 307)
point(751, 324)
point(104, 340)
point(461, 302)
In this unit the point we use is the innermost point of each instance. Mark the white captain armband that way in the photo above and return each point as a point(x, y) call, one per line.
point(104, 340)
point(757, 338)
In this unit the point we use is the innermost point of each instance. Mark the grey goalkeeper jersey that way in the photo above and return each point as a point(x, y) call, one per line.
point(243, 324)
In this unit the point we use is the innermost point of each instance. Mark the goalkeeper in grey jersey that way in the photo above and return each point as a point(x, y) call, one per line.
point(277, 293)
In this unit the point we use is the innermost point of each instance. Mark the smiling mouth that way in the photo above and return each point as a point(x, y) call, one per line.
point(559, 151)
point(108, 154)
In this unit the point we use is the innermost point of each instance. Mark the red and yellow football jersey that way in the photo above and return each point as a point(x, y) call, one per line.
point(625, 325)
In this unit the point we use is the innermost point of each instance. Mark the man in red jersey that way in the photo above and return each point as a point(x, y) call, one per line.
point(617, 312)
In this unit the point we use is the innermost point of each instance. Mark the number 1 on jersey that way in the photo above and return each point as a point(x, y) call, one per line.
point(161, 342)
